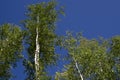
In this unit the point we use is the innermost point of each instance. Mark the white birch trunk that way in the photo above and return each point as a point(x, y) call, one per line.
point(76, 65)
point(37, 65)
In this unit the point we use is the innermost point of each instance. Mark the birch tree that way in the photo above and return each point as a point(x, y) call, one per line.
point(11, 38)
point(89, 59)
point(40, 38)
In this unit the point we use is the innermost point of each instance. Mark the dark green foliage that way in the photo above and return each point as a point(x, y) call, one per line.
point(10, 48)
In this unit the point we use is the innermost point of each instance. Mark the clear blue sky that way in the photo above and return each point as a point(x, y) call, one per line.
point(93, 17)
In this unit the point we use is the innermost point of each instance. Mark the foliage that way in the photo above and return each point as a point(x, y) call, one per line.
point(10, 48)
point(115, 54)
point(47, 15)
point(91, 56)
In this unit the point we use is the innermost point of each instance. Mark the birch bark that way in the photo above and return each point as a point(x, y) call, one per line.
point(37, 65)
point(76, 65)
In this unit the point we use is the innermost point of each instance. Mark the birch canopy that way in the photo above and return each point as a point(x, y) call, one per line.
point(89, 59)
point(40, 27)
